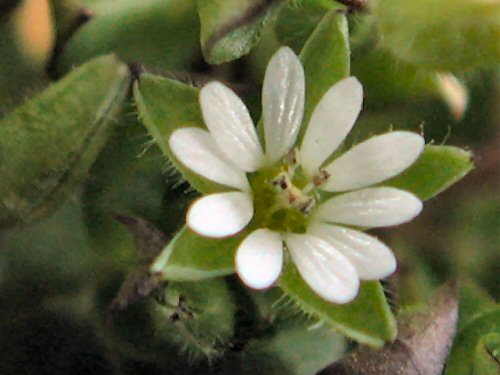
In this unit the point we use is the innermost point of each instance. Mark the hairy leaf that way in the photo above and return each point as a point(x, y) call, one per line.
point(368, 319)
point(421, 347)
point(48, 145)
point(437, 169)
point(229, 29)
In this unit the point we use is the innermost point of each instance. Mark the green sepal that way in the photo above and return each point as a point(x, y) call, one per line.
point(164, 106)
point(326, 60)
point(368, 319)
point(437, 169)
point(48, 144)
point(296, 22)
point(190, 257)
point(229, 29)
point(197, 317)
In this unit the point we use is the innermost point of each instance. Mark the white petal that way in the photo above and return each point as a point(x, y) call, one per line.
point(372, 259)
point(259, 258)
point(374, 160)
point(220, 215)
point(331, 121)
point(197, 150)
point(231, 126)
point(374, 207)
point(282, 102)
point(329, 273)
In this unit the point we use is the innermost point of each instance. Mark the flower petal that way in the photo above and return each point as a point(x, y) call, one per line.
point(374, 207)
point(329, 273)
point(282, 102)
point(197, 150)
point(372, 259)
point(220, 215)
point(374, 160)
point(259, 258)
point(331, 121)
point(231, 126)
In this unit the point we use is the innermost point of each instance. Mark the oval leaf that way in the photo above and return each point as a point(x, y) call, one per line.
point(229, 29)
point(48, 144)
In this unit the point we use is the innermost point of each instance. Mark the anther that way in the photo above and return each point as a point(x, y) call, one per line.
point(321, 177)
point(306, 207)
point(281, 181)
point(291, 157)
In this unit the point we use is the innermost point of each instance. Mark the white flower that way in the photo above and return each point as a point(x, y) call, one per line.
point(280, 192)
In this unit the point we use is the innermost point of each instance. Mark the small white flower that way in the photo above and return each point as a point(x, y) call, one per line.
point(280, 192)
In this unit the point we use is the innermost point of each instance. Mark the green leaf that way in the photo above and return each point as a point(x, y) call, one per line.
point(368, 319)
point(160, 33)
point(422, 345)
point(473, 300)
point(293, 350)
point(296, 23)
point(451, 35)
point(229, 29)
point(190, 257)
point(326, 60)
point(461, 360)
point(48, 145)
point(164, 106)
point(437, 169)
point(487, 355)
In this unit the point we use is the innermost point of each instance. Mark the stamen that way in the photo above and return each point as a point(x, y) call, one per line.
point(321, 177)
point(291, 157)
point(306, 207)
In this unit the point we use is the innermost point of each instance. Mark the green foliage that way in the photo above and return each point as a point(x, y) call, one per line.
point(326, 59)
point(189, 256)
point(160, 33)
point(197, 317)
point(164, 106)
point(295, 23)
point(437, 169)
point(102, 277)
point(280, 354)
point(368, 319)
point(48, 145)
point(478, 336)
point(230, 29)
point(444, 34)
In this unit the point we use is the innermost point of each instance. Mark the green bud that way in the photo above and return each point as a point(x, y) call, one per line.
point(197, 317)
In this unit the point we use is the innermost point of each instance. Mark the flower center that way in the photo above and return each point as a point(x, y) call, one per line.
point(284, 196)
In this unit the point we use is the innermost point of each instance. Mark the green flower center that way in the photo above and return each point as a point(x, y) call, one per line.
point(283, 196)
